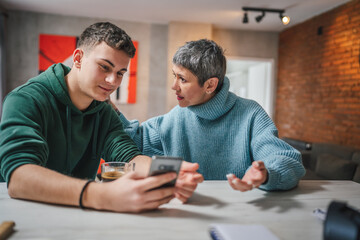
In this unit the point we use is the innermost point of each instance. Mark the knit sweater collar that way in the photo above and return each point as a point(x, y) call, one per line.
point(220, 104)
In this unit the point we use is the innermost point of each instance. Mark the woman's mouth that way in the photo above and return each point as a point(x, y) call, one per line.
point(179, 97)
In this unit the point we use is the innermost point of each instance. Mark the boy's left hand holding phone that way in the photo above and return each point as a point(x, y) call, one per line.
point(187, 176)
point(165, 164)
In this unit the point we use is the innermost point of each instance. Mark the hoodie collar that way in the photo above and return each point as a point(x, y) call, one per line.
point(55, 74)
point(217, 106)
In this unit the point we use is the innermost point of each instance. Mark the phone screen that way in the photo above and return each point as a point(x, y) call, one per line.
point(165, 164)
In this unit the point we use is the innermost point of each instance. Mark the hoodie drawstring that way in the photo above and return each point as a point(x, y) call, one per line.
point(94, 143)
point(68, 135)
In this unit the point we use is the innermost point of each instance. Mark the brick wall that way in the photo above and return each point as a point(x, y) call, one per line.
point(318, 88)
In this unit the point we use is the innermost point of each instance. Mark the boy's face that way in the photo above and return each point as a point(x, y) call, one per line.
point(187, 89)
point(101, 70)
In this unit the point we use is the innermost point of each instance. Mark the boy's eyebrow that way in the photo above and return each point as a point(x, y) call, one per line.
point(109, 62)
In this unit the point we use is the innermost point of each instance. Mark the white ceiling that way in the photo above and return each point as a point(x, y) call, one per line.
point(220, 13)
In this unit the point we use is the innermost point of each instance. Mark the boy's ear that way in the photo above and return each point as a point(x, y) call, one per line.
point(77, 56)
point(211, 84)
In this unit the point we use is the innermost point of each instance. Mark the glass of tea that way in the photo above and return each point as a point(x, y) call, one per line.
point(111, 171)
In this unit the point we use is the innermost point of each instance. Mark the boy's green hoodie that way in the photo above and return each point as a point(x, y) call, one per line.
point(40, 125)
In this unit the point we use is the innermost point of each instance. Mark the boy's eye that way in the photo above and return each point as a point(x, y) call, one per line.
point(104, 67)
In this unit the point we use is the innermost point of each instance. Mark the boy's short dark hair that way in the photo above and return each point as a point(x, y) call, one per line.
point(109, 33)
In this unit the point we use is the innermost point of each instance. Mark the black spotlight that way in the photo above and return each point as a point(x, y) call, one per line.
point(260, 17)
point(245, 19)
point(284, 19)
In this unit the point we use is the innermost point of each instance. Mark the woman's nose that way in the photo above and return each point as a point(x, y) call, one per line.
point(175, 85)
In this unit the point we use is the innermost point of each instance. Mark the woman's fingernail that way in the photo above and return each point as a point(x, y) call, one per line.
point(234, 181)
point(250, 182)
point(229, 175)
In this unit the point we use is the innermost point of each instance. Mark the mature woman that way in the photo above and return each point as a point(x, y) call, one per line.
point(230, 137)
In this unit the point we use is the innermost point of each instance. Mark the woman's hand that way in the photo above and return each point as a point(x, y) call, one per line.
point(187, 181)
point(253, 178)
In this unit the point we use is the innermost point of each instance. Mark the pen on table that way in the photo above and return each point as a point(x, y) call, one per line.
point(6, 229)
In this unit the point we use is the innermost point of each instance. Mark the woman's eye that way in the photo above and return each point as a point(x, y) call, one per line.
point(120, 74)
point(182, 80)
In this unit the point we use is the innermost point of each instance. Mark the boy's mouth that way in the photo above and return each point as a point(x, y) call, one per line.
point(106, 89)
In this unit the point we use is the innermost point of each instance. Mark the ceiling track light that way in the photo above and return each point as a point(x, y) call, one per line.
point(245, 19)
point(260, 17)
point(284, 19)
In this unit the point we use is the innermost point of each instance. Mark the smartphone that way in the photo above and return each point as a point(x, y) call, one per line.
point(165, 164)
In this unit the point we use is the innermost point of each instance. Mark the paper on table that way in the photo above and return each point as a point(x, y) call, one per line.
point(238, 231)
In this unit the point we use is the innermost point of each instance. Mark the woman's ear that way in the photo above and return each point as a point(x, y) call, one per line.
point(77, 56)
point(211, 85)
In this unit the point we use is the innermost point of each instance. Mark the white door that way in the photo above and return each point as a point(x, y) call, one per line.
point(259, 85)
point(253, 80)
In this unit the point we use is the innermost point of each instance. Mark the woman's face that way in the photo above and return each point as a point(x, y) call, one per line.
point(187, 88)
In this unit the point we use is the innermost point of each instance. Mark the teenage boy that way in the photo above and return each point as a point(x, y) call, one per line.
point(56, 127)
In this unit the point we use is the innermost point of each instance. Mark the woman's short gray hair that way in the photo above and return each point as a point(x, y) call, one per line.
point(204, 58)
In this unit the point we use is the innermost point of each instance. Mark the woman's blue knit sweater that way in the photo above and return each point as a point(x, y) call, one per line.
point(224, 135)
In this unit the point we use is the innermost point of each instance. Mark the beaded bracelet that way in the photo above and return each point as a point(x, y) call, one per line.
point(82, 193)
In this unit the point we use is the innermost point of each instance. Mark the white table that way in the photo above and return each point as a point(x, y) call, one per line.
point(287, 214)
